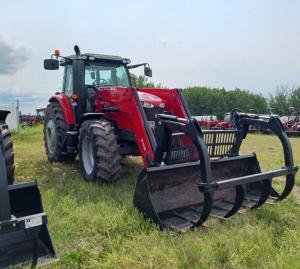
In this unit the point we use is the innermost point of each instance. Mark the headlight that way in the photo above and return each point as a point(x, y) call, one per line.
point(148, 105)
point(162, 105)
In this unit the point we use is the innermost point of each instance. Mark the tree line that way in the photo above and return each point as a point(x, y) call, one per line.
point(218, 101)
point(286, 100)
point(214, 101)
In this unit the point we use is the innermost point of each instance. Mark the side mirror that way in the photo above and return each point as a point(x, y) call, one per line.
point(51, 64)
point(147, 71)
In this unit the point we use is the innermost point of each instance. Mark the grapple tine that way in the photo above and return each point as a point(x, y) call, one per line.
point(240, 194)
point(243, 121)
point(264, 193)
point(288, 187)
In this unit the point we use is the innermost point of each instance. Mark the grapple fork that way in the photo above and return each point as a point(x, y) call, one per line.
point(182, 194)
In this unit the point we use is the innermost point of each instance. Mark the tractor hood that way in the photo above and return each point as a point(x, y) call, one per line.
point(149, 100)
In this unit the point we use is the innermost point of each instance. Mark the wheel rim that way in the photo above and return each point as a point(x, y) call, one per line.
point(87, 155)
point(51, 136)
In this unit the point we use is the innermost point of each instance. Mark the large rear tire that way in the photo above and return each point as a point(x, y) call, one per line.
point(8, 153)
point(100, 159)
point(55, 129)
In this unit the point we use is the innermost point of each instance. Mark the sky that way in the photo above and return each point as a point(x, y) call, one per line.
point(250, 44)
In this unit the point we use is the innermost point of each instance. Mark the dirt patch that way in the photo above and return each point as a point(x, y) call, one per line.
point(297, 194)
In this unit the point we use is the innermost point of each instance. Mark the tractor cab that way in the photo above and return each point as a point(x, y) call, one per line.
point(87, 76)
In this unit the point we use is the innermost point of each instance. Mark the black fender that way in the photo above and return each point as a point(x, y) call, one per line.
point(91, 116)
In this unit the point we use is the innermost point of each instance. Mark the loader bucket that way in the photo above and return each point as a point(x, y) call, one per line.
point(28, 241)
point(24, 236)
point(170, 196)
point(182, 193)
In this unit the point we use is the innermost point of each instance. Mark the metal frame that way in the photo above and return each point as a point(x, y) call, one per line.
point(240, 182)
point(17, 229)
point(243, 120)
point(9, 222)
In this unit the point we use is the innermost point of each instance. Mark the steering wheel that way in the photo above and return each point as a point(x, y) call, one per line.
point(102, 81)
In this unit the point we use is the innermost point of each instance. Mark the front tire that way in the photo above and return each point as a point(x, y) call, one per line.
point(100, 160)
point(55, 129)
point(8, 153)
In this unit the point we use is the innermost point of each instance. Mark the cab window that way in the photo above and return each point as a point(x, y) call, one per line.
point(106, 75)
point(68, 81)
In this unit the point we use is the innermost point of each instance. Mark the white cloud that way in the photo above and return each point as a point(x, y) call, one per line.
point(11, 57)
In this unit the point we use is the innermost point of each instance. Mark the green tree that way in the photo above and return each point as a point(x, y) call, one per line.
point(280, 102)
point(295, 98)
point(214, 101)
point(143, 82)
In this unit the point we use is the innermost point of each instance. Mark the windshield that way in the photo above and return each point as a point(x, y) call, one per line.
point(106, 75)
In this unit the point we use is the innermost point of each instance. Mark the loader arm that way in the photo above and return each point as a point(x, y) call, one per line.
point(131, 115)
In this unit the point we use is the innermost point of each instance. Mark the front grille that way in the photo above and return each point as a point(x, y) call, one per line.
point(220, 143)
point(151, 112)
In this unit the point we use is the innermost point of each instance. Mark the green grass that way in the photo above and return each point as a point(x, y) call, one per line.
point(95, 226)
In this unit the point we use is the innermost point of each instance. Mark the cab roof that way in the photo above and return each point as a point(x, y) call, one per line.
point(90, 57)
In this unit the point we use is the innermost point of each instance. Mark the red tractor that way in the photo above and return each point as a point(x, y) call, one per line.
point(188, 173)
point(225, 124)
point(292, 124)
point(207, 122)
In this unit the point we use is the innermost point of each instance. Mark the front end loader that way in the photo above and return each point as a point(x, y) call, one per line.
point(24, 236)
point(189, 174)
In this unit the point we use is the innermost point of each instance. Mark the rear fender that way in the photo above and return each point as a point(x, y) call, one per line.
point(3, 114)
point(66, 107)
